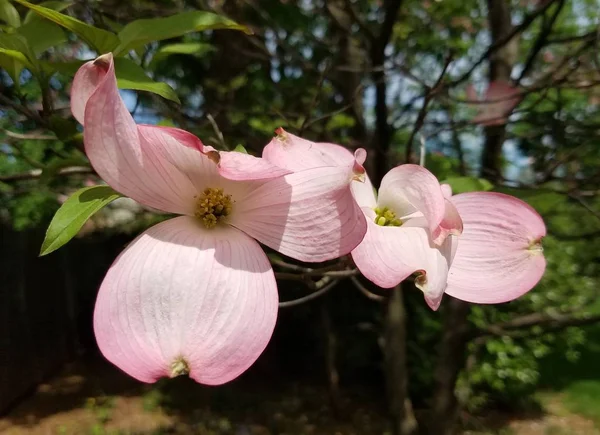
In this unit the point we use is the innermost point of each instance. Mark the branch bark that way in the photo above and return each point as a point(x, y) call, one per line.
point(396, 370)
point(383, 130)
point(455, 324)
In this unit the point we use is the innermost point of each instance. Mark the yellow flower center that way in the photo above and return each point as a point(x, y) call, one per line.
point(386, 218)
point(213, 206)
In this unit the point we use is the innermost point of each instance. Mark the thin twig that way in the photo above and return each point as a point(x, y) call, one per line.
point(37, 173)
point(28, 136)
point(422, 152)
point(429, 95)
point(365, 291)
point(310, 297)
point(218, 132)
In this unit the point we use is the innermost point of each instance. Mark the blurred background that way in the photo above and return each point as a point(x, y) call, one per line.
point(391, 76)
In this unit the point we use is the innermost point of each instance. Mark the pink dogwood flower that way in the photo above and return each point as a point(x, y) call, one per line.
point(497, 104)
point(479, 247)
point(411, 227)
point(196, 294)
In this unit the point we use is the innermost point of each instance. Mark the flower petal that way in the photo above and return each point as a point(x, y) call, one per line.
point(451, 224)
point(84, 84)
point(409, 188)
point(498, 256)
point(364, 193)
point(181, 296)
point(309, 215)
point(296, 154)
point(500, 100)
point(239, 166)
point(446, 190)
point(388, 255)
point(129, 158)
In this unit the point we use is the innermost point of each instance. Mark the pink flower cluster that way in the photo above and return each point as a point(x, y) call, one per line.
point(197, 295)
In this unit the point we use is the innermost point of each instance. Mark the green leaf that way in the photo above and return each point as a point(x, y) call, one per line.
point(42, 35)
point(75, 212)
point(142, 32)
point(468, 184)
point(17, 56)
point(197, 49)
point(12, 67)
point(67, 68)
point(32, 17)
point(9, 14)
point(241, 149)
point(102, 41)
point(132, 76)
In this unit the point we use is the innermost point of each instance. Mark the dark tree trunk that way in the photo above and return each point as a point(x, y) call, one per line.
point(396, 370)
point(445, 406)
point(453, 348)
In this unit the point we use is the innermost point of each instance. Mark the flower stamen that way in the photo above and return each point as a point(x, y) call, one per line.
point(386, 218)
point(179, 367)
point(213, 206)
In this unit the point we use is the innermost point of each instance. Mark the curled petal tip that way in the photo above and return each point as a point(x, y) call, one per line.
point(360, 155)
point(281, 134)
point(104, 61)
point(434, 303)
point(214, 156)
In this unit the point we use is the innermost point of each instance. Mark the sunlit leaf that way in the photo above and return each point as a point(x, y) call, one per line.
point(32, 17)
point(74, 213)
point(98, 39)
point(132, 76)
point(197, 49)
point(241, 149)
point(468, 184)
point(142, 32)
point(15, 46)
point(9, 14)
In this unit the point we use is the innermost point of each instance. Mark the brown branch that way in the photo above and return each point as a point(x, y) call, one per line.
point(28, 136)
point(365, 291)
point(501, 42)
point(383, 131)
point(520, 327)
point(22, 110)
point(320, 292)
point(37, 173)
point(540, 41)
point(429, 95)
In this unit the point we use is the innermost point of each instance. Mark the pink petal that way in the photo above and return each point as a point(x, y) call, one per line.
point(183, 293)
point(308, 215)
point(471, 93)
point(85, 83)
point(296, 154)
point(388, 255)
point(409, 188)
point(446, 190)
point(131, 159)
point(364, 193)
point(451, 224)
point(498, 257)
point(240, 166)
point(500, 100)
